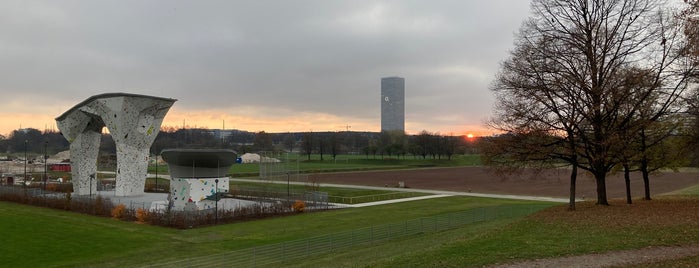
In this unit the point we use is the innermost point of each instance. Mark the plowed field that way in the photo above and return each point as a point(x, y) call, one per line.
point(553, 183)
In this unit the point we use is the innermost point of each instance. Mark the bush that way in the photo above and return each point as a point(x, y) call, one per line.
point(142, 215)
point(298, 206)
point(103, 206)
point(119, 212)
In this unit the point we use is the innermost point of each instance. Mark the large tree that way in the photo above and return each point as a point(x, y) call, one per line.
point(690, 17)
point(565, 79)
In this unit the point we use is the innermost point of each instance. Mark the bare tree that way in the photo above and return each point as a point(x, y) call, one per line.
point(263, 141)
point(307, 144)
point(289, 142)
point(563, 80)
point(690, 17)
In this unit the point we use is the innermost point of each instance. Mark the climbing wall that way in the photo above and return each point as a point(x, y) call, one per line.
point(196, 194)
point(133, 121)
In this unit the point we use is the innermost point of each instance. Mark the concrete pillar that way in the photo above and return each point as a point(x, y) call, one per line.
point(84, 163)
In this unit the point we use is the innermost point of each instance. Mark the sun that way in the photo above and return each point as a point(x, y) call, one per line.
point(469, 135)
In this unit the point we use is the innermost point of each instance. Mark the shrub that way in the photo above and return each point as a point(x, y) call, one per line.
point(298, 206)
point(66, 205)
point(52, 187)
point(119, 212)
point(98, 205)
point(142, 215)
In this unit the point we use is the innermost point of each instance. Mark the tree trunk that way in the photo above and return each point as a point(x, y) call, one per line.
point(573, 178)
point(646, 180)
point(627, 180)
point(600, 178)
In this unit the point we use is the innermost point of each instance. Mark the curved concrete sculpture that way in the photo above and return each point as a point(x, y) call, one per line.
point(198, 176)
point(198, 163)
point(132, 120)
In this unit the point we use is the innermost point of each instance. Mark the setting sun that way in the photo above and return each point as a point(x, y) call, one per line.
point(469, 135)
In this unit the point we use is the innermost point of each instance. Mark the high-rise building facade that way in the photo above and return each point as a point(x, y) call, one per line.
point(392, 104)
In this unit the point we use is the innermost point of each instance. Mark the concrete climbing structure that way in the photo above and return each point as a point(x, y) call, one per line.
point(132, 120)
point(198, 177)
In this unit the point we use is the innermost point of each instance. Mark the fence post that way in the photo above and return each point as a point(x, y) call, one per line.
point(308, 247)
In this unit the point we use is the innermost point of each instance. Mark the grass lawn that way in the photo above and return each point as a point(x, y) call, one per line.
point(347, 163)
point(44, 237)
point(550, 233)
point(335, 194)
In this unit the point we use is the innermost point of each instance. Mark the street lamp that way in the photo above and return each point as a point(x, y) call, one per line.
point(25, 163)
point(92, 176)
point(46, 144)
point(156, 171)
point(216, 206)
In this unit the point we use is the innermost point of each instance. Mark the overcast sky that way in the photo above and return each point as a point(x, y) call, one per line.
point(272, 66)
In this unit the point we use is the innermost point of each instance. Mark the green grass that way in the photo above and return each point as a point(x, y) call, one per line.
point(535, 239)
point(40, 237)
point(348, 163)
point(515, 240)
point(300, 188)
point(337, 194)
point(691, 191)
point(44, 237)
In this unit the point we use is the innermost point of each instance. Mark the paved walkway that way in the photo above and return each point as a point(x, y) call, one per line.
point(377, 203)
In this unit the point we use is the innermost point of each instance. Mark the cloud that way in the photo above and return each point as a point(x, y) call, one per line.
point(285, 59)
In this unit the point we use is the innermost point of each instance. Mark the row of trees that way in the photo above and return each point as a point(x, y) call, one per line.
point(598, 85)
point(385, 144)
point(331, 144)
point(33, 142)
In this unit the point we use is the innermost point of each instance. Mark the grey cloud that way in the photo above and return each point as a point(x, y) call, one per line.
point(323, 56)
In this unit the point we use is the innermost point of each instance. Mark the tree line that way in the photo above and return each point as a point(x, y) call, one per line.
point(327, 145)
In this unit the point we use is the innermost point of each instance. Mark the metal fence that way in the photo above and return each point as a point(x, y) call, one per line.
point(326, 244)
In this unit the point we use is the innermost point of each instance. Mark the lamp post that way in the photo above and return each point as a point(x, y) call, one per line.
point(216, 206)
point(46, 144)
point(92, 176)
point(156, 171)
point(25, 163)
point(288, 193)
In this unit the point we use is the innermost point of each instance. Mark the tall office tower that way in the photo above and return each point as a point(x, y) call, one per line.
point(392, 103)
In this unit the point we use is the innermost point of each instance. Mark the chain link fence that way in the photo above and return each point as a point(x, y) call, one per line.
point(324, 244)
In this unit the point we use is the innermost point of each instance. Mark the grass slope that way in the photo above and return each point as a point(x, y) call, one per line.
point(550, 233)
point(44, 237)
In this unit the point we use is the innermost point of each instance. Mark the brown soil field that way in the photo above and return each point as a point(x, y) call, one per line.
point(550, 183)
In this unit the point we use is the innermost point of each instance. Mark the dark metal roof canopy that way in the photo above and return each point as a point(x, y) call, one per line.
point(198, 163)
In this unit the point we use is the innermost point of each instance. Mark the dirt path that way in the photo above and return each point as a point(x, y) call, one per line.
point(611, 259)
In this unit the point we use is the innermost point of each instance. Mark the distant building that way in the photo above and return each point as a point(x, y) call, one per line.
point(64, 167)
point(392, 103)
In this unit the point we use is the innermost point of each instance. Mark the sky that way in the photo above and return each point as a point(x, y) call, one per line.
point(274, 66)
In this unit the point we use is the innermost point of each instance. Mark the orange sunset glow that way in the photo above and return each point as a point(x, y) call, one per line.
point(247, 121)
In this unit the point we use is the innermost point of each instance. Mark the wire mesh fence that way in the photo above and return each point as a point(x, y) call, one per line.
point(326, 244)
